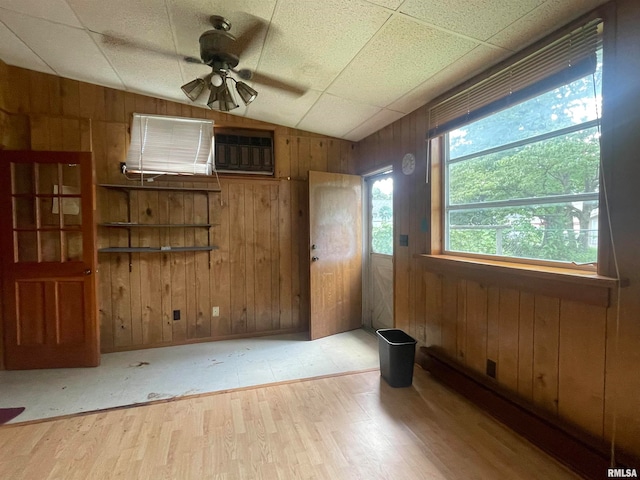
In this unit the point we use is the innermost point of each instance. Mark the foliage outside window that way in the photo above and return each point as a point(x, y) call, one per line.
point(524, 182)
point(382, 216)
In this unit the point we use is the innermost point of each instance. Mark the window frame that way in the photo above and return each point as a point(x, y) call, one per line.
point(437, 154)
point(547, 199)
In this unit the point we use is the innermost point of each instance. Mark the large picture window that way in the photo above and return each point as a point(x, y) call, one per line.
point(523, 181)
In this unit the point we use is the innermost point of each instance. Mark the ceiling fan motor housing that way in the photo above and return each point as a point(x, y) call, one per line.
point(214, 45)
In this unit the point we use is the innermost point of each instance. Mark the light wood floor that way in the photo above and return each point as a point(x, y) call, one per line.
point(343, 427)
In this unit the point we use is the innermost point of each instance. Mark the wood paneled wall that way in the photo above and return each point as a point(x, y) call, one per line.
point(256, 276)
point(576, 361)
point(543, 346)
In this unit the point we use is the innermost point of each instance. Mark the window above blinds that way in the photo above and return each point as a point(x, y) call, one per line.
point(558, 63)
point(170, 145)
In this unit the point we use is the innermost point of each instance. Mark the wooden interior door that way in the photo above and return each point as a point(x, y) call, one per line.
point(335, 228)
point(48, 260)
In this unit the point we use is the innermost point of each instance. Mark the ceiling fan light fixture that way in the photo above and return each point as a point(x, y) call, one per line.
point(223, 97)
point(247, 93)
point(216, 80)
point(226, 102)
point(194, 88)
point(214, 96)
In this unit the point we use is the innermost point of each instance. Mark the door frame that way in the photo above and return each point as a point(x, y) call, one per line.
point(369, 178)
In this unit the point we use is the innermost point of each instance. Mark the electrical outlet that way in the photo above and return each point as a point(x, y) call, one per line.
point(491, 368)
point(215, 312)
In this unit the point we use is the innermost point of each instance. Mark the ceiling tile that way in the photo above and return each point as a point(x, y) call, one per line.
point(70, 52)
point(161, 76)
point(14, 52)
point(373, 124)
point(53, 10)
point(142, 25)
point(334, 116)
point(479, 19)
point(313, 41)
point(401, 56)
point(466, 67)
point(279, 107)
point(542, 21)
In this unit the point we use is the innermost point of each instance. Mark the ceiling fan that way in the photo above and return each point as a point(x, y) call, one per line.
point(221, 51)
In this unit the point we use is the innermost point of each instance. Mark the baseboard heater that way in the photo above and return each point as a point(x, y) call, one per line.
point(586, 455)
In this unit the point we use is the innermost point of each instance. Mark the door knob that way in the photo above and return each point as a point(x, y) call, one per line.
point(314, 259)
point(87, 271)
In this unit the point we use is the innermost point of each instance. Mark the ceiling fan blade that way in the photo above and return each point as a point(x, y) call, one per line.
point(194, 60)
point(249, 36)
point(118, 42)
point(274, 82)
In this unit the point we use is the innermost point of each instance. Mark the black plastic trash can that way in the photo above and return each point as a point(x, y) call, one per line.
point(397, 353)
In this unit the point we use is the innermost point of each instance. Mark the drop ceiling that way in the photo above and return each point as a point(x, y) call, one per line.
point(362, 64)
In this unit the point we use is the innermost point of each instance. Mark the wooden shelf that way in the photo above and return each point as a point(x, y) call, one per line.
point(154, 187)
point(155, 249)
point(129, 225)
point(155, 225)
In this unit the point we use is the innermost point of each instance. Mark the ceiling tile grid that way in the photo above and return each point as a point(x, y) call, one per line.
point(549, 16)
point(311, 42)
point(401, 56)
point(53, 10)
point(15, 52)
point(378, 121)
point(479, 19)
point(280, 107)
point(69, 51)
point(336, 116)
point(355, 65)
point(472, 63)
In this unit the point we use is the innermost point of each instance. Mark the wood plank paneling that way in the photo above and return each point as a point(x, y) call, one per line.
point(190, 269)
point(493, 323)
point(284, 256)
point(150, 269)
point(296, 217)
point(582, 349)
point(250, 241)
point(545, 352)
point(237, 258)
point(461, 322)
point(525, 345)
point(476, 354)
point(165, 271)
point(433, 296)
point(283, 154)
point(202, 271)
point(449, 315)
point(508, 341)
point(220, 275)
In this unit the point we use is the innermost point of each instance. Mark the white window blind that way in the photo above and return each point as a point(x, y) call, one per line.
point(570, 57)
point(170, 145)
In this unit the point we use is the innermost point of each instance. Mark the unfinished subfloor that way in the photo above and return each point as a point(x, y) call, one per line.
point(127, 378)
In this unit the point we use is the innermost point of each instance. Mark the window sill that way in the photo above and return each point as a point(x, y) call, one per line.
point(565, 283)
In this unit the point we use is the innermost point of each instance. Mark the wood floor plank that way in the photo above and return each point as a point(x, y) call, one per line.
point(341, 427)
